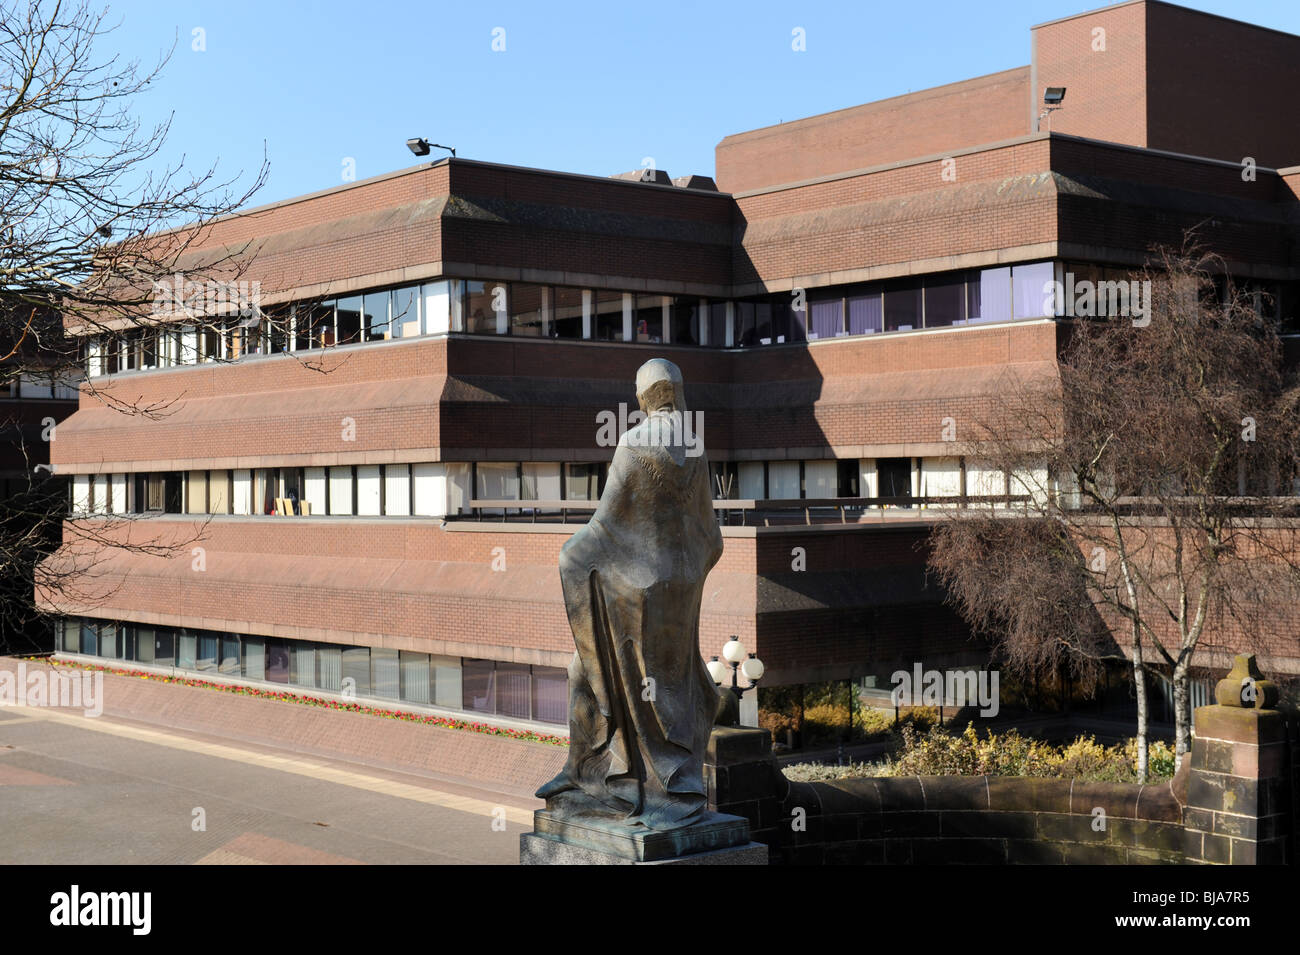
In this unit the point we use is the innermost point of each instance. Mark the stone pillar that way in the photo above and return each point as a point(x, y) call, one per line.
point(1238, 808)
point(743, 779)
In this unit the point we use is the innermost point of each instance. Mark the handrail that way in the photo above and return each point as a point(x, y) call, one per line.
point(534, 508)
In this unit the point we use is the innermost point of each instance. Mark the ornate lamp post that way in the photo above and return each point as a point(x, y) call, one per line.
point(742, 663)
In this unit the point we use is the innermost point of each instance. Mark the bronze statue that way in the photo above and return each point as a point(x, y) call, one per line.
point(641, 703)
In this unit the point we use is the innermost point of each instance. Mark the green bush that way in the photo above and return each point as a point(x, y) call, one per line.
point(936, 752)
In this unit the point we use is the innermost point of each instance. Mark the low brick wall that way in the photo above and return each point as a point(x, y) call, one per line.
point(984, 820)
point(509, 765)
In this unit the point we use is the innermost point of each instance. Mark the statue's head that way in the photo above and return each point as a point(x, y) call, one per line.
point(659, 385)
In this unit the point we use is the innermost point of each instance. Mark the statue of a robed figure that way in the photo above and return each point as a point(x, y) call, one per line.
point(641, 701)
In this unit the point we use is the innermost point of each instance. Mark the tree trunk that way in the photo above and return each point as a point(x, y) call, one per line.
point(1140, 688)
point(1182, 716)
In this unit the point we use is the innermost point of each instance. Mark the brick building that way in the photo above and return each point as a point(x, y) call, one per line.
point(452, 332)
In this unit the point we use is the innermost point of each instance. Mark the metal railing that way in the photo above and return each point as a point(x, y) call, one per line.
point(742, 512)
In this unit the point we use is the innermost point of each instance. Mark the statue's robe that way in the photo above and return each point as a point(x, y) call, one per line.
point(642, 703)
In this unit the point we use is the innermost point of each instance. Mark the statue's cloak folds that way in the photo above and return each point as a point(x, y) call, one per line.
point(642, 703)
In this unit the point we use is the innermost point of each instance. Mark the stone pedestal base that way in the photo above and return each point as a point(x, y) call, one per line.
point(538, 850)
point(717, 839)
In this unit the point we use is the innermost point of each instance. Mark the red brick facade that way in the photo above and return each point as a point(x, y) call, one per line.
point(955, 178)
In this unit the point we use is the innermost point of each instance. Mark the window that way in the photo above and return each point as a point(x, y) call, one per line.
point(582, 482)
point(820, 479)
point(847, 479)
point(752, 479)
point(277, 660)
point(479, 680)
point(497, 482)
point(718, 325)
point(486, 308)
point(435, 306)
point(648, 320)
point(1029, 282)
point(207, 651)
point(568, 304)
point(827, 319)
point(989, 298)
point(416, 676)
point(746, 324)
point(550, 694)
point(514, 696)
point(902, 305)
point(530, 310)
point(229, 660)
point(369, 490)
point(725, 480)
point(539, 481)
point(894, 477)
point(945, 300)
point(315, 326)
point(607, 325)
point(866, 313)
point(376, 316)
point(686, 321)
point(340, 490)
point(347, 322)
point(196, 492)
point(302, 663)
point(219, 492)
point(385, 673)
point(783, 479)
point(397, 489)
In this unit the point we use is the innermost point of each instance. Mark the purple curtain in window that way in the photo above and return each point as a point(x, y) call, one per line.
point(513, 690)
point(865, 315)
point(550, 695)
point(1032, 286)
point(994, 296)
point(826, 319)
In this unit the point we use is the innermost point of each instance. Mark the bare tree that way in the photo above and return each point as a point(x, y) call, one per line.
point(1155, 472)
point(92, 227)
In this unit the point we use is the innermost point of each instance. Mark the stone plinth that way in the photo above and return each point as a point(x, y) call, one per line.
point(724, 839)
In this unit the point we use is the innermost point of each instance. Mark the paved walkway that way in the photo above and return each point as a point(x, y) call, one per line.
point(75, 790)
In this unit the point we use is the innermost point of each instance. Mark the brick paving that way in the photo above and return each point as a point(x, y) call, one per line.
point(103, 791)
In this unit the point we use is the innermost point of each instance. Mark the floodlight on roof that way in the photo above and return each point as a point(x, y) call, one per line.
point(1053, 95)
point(421, 146)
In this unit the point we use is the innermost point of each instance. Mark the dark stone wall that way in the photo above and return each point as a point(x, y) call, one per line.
point(995, 820)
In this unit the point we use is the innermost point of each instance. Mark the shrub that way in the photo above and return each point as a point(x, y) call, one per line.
point(936, 752)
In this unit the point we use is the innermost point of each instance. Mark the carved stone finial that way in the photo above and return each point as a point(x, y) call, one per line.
point(1245, 686)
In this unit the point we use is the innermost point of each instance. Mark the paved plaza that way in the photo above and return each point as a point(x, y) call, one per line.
point(75, 790)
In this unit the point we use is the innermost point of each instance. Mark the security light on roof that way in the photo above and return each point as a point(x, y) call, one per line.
point(421, 146)
point(1053, 95)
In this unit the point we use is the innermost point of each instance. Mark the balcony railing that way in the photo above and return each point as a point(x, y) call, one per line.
point(760, 512)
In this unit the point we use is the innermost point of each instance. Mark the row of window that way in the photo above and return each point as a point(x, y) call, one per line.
point(394, 490)
point(33, 387)
point(516, 690)
point(436, 490)
point(486, 307)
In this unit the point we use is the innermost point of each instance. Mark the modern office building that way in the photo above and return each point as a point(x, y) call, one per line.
point(460, 331)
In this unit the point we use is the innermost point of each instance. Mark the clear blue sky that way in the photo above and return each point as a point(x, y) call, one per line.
point(582, 87)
